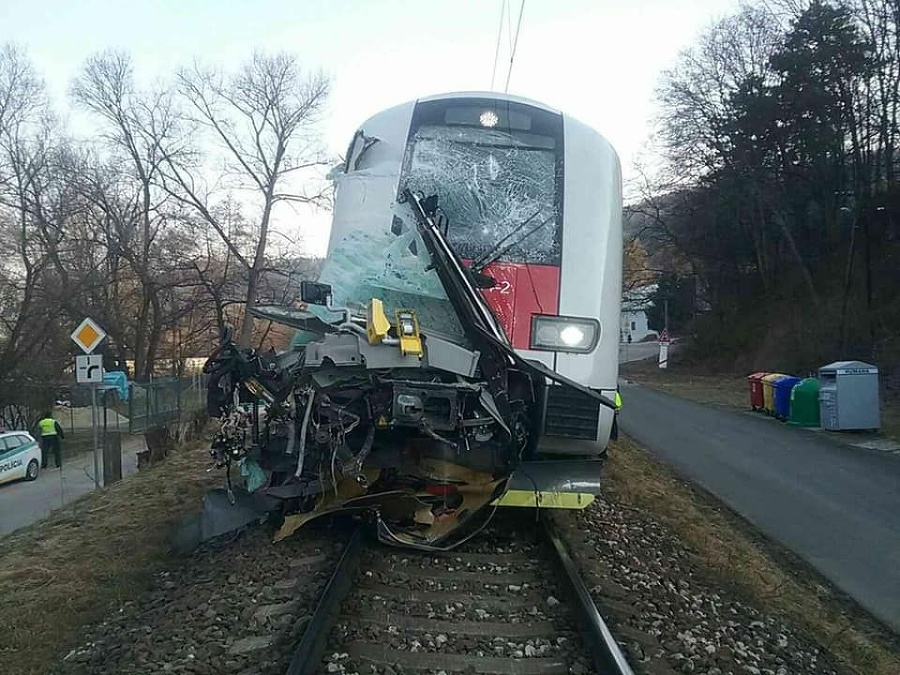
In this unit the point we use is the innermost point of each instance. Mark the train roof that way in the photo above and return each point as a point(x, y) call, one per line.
point(495, 95)
point(569, 120)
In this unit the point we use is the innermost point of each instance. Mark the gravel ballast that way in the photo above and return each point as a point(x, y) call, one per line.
point(240, 607)
point(235, 607)
point(646, 582)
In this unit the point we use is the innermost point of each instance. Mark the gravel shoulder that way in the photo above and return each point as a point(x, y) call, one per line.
point(666, 559)
point(233, 606)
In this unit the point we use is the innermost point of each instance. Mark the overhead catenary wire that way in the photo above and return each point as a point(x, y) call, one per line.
point(512, 56)
point(497, 48)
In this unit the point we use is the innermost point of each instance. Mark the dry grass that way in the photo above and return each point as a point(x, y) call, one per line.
point(890, 419)
point(724, 390)
point(86, 559)
point(733, 554)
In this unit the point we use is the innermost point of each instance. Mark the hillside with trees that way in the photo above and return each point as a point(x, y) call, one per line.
point(775, 216)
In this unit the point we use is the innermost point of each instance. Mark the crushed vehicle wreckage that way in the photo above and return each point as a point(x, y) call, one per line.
point(417, 429)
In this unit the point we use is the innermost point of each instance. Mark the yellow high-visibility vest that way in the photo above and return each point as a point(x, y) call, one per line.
point(47, 426)
point(618, 400)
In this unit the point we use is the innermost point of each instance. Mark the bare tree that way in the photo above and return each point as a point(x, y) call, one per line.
point(140, 129)
point(29, 353)
point(694, 95)
point(263, 119)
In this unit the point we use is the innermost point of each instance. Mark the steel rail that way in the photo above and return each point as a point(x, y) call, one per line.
point(307, 658)
point(605, 650)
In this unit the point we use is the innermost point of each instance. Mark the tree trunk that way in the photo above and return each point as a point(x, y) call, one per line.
point(801, 263)
point(141, 367)
point(246, 334)
point(155, 333)
point(259, 259)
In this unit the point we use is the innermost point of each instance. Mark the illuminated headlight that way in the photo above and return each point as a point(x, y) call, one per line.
point(564, 334)
point(488, 119)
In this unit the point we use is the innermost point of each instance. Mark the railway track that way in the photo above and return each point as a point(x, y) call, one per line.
point(508, 602)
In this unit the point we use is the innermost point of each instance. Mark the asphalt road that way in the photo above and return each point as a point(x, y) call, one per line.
point(836, 506)
point(23, 502)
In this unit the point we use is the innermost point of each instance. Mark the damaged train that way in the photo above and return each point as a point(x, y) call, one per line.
point(458, 352)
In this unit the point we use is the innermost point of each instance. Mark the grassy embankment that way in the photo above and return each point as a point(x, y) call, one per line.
point(88, 558)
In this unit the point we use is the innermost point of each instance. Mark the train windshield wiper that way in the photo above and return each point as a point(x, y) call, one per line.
point(479, 262)
point(497, 252)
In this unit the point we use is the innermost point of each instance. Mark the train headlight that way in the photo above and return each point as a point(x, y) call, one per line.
point(564, 333)
point(488, 119)
point(572, 336)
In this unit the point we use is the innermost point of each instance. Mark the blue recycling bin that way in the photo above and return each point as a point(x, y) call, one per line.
point(781, 392)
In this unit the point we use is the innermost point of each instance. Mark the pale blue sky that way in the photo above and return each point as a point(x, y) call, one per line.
point(595, 59)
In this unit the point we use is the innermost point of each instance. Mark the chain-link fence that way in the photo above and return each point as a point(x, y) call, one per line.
point(155, 404)
point(148, 405)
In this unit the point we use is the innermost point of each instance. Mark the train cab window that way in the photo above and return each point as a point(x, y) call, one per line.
point(497, 171)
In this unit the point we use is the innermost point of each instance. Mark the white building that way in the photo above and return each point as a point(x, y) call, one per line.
point(633, 320)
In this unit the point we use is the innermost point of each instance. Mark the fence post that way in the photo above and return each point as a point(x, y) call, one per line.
point(112, 458)
point(130, 407)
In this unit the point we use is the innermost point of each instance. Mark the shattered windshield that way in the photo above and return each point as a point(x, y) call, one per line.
point(389, 262)
point(494, 186)
point(498, 187)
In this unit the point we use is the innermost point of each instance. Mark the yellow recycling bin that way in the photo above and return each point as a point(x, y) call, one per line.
point(769, 392)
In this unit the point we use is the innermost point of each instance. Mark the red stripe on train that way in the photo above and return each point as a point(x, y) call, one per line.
point(522, 290)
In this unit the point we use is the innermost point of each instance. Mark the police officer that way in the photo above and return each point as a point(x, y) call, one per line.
point(51, 432)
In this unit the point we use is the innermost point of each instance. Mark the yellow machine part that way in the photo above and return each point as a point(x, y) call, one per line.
point(545, 500)
point(377, 324)
point(408, 332)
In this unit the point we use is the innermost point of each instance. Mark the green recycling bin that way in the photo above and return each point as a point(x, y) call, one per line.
point(804, 407)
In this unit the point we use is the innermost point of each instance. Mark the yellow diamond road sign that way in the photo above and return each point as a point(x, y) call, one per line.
point(88, 335)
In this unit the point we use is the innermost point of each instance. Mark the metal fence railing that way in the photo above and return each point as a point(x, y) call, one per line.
point(148, 405)
point(160, 402)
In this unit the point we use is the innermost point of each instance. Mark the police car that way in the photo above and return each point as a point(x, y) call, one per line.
point(20, 456)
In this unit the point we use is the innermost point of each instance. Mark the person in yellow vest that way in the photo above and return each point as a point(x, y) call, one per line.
point(614, 433)
point(51, 432)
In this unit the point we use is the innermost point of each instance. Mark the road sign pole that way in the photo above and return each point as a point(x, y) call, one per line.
point(89, 371)
point(95, 428)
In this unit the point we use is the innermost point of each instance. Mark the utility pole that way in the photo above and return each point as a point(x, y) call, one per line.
point(848, 210)
point(868, 254)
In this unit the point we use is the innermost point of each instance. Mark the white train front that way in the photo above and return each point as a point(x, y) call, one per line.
point(459, 351)
point(533, 199)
